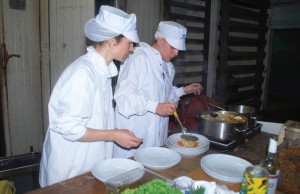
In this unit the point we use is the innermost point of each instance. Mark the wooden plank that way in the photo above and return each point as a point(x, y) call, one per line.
point(236, 96)
point(187, 17)
point(194, 41)
point(188, 74)
point(245, 25)
point(195, 29)
point(244, 11)
point(244, 82)
point(246, 28)
point(189, 63)
point(193, 52)
point(187, 5)
point(238, 16)
point(242, 69)
point(244, 55)
point(243, 41)
point(187, 80)
point(244, 17)
point(252, 3)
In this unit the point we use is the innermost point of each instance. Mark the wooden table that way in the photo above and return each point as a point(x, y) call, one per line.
point(252, 151)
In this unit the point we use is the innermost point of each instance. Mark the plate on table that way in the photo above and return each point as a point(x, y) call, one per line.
point(222, 179)
point(104, 170)
point(157, 158)
point(224, 167)
point(186, 152)
point(202, 140)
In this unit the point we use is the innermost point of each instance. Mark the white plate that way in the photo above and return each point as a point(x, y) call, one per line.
point(202, 140)
point(221, 179)
point(219, 176)
point(186, 153)
point(224, 167)
point(185, 149)
point(105, 170)
point(157, 158)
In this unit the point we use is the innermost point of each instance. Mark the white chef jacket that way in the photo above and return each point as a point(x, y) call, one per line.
point(144, 81)
point(81, 98)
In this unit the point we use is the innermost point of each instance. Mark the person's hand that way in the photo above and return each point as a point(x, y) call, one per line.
point(165, 109)
point(195, 88)
point(126, 138)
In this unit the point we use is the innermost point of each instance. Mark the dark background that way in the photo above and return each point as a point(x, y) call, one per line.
point(283, 102)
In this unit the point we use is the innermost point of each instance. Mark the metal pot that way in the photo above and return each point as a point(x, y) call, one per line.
point(247, 111)
point(223, 130)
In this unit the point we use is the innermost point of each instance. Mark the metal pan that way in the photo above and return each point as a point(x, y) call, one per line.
point(247, 111)
point(223, 129)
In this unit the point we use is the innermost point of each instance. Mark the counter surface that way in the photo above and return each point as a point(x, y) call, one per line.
point(253, 151)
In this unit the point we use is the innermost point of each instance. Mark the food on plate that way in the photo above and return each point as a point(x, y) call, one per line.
point(224, 117)
point(153, 186)
point(186, 143)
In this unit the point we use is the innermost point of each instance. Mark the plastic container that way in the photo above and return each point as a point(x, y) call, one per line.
point(133, 179)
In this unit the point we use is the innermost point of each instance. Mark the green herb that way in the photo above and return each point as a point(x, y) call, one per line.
point(198, 190)
point(156, 186)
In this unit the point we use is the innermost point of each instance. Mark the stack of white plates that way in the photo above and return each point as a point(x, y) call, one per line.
point(203, 145)
point(224, 168)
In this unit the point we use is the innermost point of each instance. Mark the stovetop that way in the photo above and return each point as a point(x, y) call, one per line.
point(226, 146)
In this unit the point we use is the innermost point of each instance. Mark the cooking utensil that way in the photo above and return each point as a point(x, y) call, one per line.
point(216, 106)
point(223, 130)
point(247, 111)
point(211, 113)
point(184, 135)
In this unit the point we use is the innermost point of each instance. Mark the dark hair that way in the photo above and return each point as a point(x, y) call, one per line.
point(93, 43)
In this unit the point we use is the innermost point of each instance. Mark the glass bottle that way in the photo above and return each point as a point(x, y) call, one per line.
point(271, 164)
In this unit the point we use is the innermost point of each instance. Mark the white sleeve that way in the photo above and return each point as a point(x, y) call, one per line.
point(127, 96)
point(176, 92)
point(75, 101)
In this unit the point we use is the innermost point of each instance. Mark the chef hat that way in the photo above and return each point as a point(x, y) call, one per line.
point(111, 22)
point(173, 32)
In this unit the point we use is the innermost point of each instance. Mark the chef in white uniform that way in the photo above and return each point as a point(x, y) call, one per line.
point(145, 86)
point(81, 117)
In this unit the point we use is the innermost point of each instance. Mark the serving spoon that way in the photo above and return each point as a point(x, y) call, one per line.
point(184, 131)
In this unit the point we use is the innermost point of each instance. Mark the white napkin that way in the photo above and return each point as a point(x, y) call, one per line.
point(213, 188)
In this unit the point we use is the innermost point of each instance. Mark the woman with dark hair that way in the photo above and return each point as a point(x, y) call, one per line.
point(81, 116)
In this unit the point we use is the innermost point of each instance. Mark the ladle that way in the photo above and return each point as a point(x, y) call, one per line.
point(184, 135)
point(216, 106)
point(214, 115)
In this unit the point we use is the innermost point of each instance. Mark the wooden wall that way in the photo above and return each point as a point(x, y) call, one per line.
point(191, 65)
point(241, 54)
